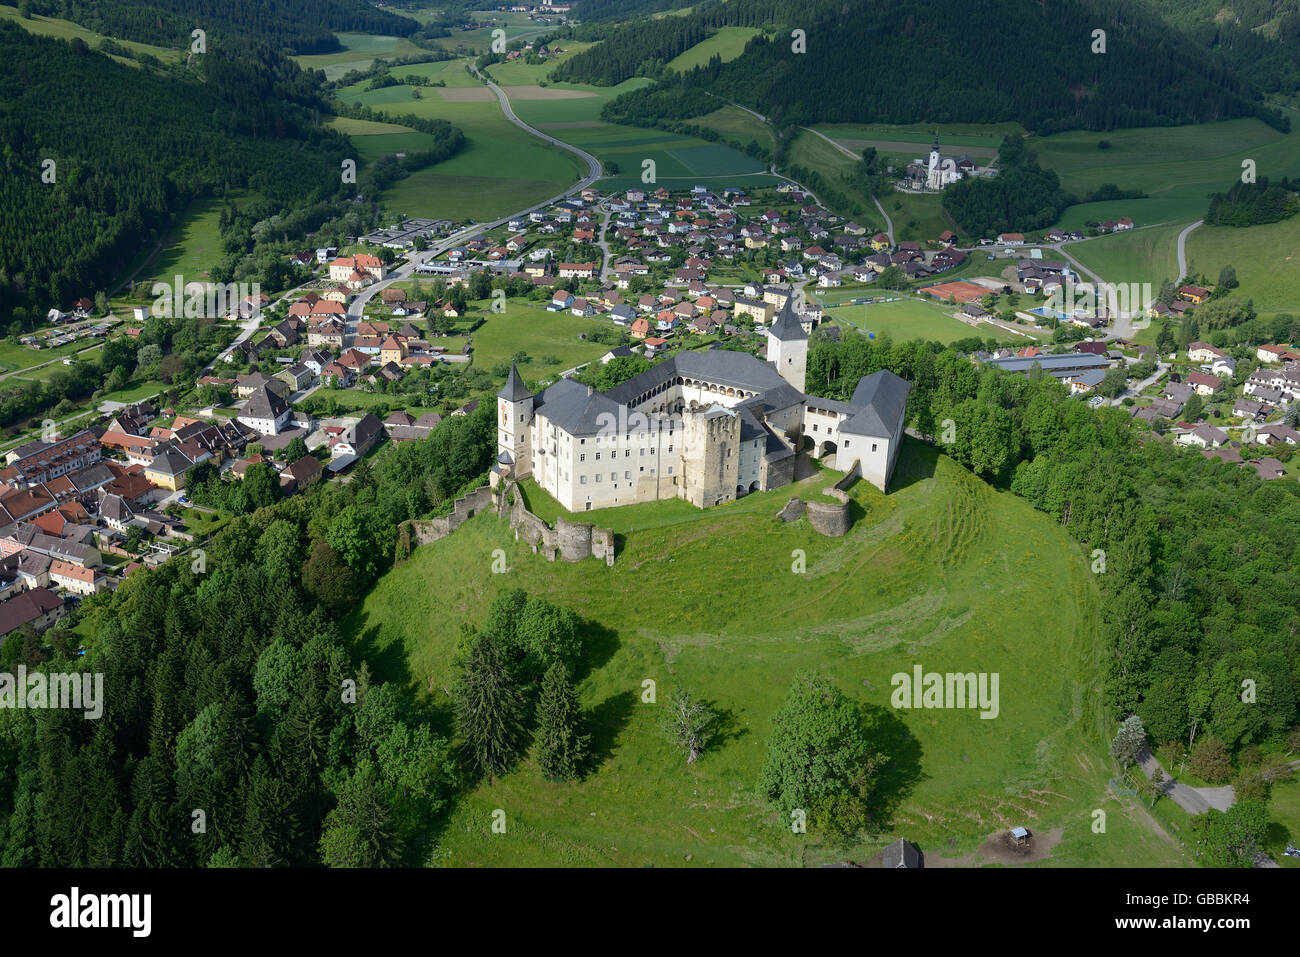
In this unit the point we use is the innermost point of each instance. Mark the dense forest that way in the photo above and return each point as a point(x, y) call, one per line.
point(1257, 38)
point(1252, 204)
point(908, 60)
point(282, 24)
point(1023, 196)
point(130, 147)
point(228, 691)
point(1200, 589)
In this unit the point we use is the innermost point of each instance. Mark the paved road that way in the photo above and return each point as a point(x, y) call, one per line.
point(406, 269)
point(846, 151)
point(1182, 248)
point(1190, 799)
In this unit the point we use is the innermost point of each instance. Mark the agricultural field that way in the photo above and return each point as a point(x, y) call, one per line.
point(1177, 166)
point(909, 318)
point(868, 607)
point(502, 169)
point(901, 144)
point(1266, 258)
point(526, 326)
point(736, 124)
point(359, 52)
point(728, 43)
point(571, 112)
point(1147, 255)
point(67, 30)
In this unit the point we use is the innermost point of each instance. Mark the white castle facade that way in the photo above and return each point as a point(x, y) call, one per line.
point(708, 427)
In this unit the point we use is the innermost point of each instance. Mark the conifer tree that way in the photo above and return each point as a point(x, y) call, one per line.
point(561, 742)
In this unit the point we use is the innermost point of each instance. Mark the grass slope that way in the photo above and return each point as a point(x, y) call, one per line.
point(1267, 260)
point(728, 43)
point(1178, 167)
point(943, 572)
point(1138, 255)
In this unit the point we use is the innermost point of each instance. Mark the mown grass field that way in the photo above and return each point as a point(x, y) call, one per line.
point(1177, 166)
point(728, 43)
point(1136, 255)
point(908, 318)
point(736, 124)
point(1266, 258)
point(67, 30)
point(526, 326)
point(943, 572)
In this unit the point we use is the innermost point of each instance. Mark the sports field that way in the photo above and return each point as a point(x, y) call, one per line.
point(708, 600)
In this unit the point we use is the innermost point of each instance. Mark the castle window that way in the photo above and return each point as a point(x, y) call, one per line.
point(582, 456)
point(873, 446)
point(670, 470)
point(597, 456)
point(627, 453)
point(597, 476)
point(582, 480)
point(627, 475)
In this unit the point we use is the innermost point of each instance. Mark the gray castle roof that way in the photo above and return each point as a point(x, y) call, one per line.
point(514, 389)
point(880, 399)
point(787, 327)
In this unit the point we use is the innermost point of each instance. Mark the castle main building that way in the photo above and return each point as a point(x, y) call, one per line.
point(708, 427)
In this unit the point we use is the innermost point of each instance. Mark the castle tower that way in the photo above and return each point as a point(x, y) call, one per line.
point(514, 417)
point(710, 456)
point(787, 346)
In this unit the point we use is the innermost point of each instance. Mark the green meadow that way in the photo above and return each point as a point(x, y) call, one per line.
point(728, 43)
point(906, 319)
point(943, 572)
point(1177, 166)
point(67, 30)
point(1266, 258)
point(526, 326)
point(359, 51)
point(502, 168)
point(1136, 255)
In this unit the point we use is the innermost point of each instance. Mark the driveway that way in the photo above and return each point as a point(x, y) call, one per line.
point(1190, 799)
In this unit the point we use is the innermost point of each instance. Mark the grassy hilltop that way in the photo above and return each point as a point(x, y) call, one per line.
point(942, 572)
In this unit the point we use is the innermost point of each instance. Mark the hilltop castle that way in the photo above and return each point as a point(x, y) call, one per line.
point(708, 427)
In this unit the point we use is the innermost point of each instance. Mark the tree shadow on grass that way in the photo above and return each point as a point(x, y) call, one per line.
point(901, 772)
point(605, 723)
point(386, 664)
point(726, 729)
point(598, 646)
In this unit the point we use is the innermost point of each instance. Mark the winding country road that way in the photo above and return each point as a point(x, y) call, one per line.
point(1182, 247)
point(889, 223)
